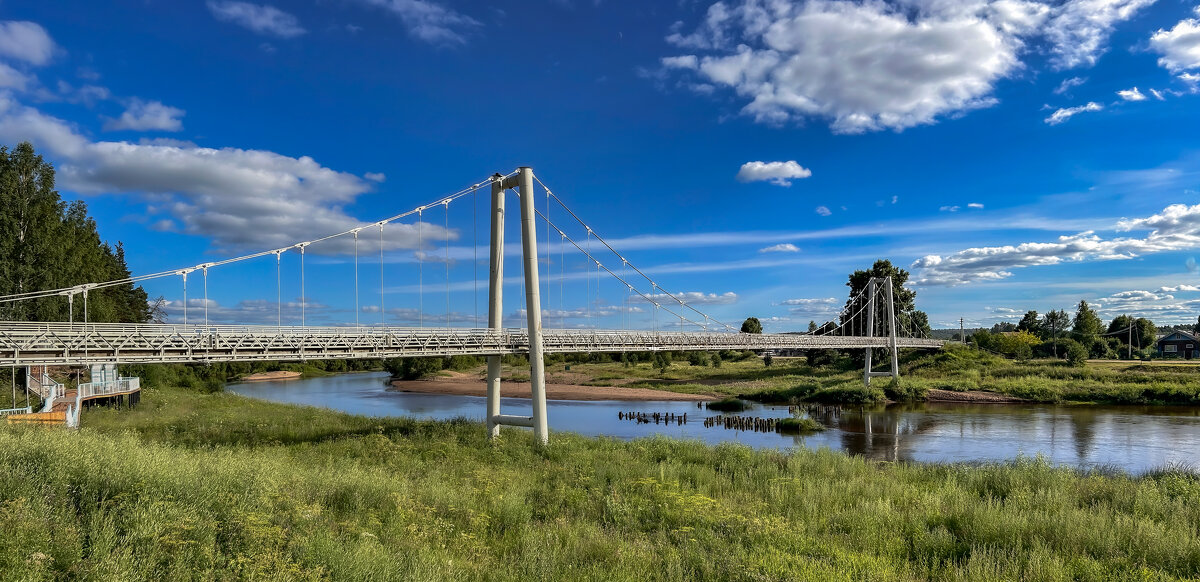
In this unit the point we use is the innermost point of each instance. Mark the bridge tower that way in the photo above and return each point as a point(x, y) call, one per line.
point(523, 182)
point(872, 290)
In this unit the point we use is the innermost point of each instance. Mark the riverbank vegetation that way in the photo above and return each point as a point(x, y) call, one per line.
point(216, 486)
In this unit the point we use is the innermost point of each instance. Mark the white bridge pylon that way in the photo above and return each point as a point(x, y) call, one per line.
point(76, 343)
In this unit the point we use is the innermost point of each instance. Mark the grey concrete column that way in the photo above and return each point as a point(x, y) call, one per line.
point(533, 303)
point(495, 303)
point(870, 328)
point(892, 331)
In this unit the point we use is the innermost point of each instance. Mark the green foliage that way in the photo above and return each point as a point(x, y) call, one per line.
point(412, 368)
point(46, 243)
point(1086, 322)
point(752, 325)
point(903, 300)
point(219, 487)
point(1030, 323)
point(697, 358)
point(662, 361)
point(715, 360)
point(768, 359)
point(1076, 354)
point(799, 425)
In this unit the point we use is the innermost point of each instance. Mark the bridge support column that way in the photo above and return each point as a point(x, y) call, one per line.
point(892, 332)
point(870, 332)
point(495, 304)
point(533, 304)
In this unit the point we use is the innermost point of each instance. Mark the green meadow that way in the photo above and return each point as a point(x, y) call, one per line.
point(213, 486)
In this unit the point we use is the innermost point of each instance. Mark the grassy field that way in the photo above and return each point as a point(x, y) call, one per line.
point(955, 368)
point(196, 486)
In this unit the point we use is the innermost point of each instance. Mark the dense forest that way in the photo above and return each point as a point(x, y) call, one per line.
point(46, 243)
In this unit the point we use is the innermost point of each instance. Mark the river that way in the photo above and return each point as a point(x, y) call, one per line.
point(1134, 439)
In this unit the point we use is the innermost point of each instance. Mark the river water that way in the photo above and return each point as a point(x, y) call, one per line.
point(1135, 439)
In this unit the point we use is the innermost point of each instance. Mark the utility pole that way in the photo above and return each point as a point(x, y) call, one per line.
point(1130, 337)
point(962, 332)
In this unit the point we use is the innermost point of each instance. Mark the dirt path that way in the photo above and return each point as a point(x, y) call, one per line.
point(979, 396)
point(471, 385)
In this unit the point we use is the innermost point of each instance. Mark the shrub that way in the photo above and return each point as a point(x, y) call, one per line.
point(797, 425)
point(727, 405)
point(768, 360)
point(1076, 354)
point(697, 358)
point(412, 368)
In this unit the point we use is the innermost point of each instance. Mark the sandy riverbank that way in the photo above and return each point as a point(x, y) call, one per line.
point(277, 375)
point(972, 396)
point(471, 385)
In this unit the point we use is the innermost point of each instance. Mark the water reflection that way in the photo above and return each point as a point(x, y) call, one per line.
point(1134, 439)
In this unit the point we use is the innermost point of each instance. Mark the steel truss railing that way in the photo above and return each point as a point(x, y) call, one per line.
point(37, 344)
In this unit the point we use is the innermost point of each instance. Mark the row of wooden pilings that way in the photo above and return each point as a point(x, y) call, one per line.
point(655, 417)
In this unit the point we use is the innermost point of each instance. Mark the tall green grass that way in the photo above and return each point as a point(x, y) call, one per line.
point(194, 486)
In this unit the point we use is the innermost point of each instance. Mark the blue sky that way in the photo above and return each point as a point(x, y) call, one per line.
point(747, 155)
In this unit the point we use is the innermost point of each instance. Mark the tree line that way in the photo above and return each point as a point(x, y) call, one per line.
point(1079, 337)
point(47, 243)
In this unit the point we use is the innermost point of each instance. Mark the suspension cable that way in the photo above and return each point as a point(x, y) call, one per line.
point(382, 311)
point(420, 270)
point(356, 322)
point(446, 207)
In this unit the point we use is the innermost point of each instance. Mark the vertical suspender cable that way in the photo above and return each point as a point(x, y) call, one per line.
point(562, 275)
point(382, 311)
point(548, 271)
point(420, 271)
point(588, 294)
point(475, 242)
point(356, 322)
point(205, 272)
point(446, 208)
point(278, 289)
point(303, 296)
point(185, 297)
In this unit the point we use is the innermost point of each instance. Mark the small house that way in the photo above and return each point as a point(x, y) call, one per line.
point(1179, 344)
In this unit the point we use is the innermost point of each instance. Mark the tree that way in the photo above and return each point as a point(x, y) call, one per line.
point(903, 300)
point(812, 326)
point(751, 325)
point(1030, 323)
point(662, 361)
point(1140, 331)
point(1076, 353)
point(1086, 322)
point(1196, 328)
point(46, 243)
point(1053, 324)
point(768, 359)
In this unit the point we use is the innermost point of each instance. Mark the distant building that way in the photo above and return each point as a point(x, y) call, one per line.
point(1179, 344)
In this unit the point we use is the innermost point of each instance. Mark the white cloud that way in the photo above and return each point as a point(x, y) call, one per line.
point(375, 176)
point(1179, 288)
point(1157, 95)
point(778, 173)
point(823, 210)
point(1180, 46)
point(242, 199)
point(975, 205)
point(1063, 115)
point(895, 199)
point(780, 248)
point(814, 301)
point(812, 306)
point(11, 78)
point(26, 41)
point(147, 116)
point(1132, 94)
point(1067, 84)
point(690, 298)
point(1079, 29)
point(863, 66)
point(1177, 227)
point(259, 18)
point(948, 209)
point(430, 21)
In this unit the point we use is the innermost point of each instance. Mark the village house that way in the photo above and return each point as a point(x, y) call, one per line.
point(1179, 344)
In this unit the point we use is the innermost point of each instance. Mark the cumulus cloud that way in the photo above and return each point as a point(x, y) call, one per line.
point(26, 41)
point(259, 18)
point(1068, 84)
point(869, 66)
point(430, 21)
point(242, 199)
point(147, 116)
point(778, 173)
point(1180, 46)
point(1064, 114)
point(11, 78)
point(1132, 95)
point(975, 205)
point(862, 66)
point(823, 210)
point(1079, 29)
point(690, 298)
point(780, 248)
point(1177, 227)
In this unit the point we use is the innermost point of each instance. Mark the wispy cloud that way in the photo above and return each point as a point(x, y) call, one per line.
point(1062, 115)
point(259, 18)
point(429, 21)
point(780, 248)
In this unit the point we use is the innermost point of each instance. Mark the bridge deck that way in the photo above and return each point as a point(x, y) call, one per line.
point(24, 344)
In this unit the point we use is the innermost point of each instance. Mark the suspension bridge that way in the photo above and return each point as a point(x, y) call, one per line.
point(867, 322)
